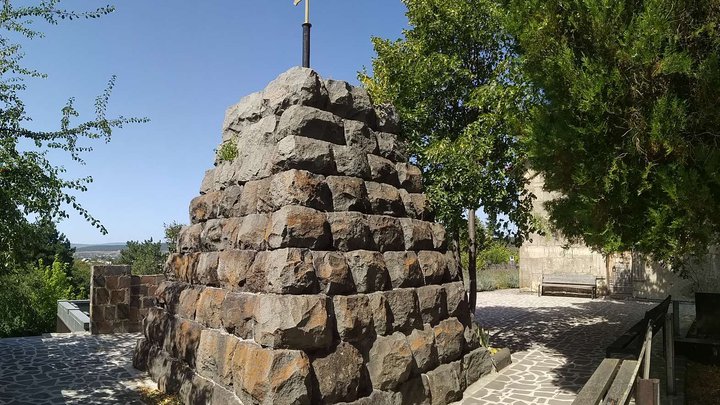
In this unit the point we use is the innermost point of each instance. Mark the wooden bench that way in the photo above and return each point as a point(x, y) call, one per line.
point(611, 383)
point(569, 281)
point(630, 343)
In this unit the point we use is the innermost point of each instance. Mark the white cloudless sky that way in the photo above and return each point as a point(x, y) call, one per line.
point(180, 64)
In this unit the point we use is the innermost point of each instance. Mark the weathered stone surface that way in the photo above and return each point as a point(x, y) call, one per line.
point(418, 235)
point(339, 373)
point(415, 391)
point(472, 336)
point(353, 316)
point(251, 232)
point(186, 338)
point(249, 108)
point(404, 269)
point(349, 101)
point(404, 309)
point(333, 273)
point(457, 301)
point(222, 396)
point(298, 152)
point(410, 177)
point(433, 303)
point(348, 193)
point(183, 265)
point(382, 170)
point(388, 119)
point(295, 226)
point(209, 307)
point(446, 383)
point(434, 266)
point(195, 389)
point(386, 233)
point(189, 238)
point(292, 321)
point(422, 345)
point(234, 267)
point(204, 207)
point(453, 266)
point(311, 122)
point(208, 181)
point(238, 311)
point(439, 236)
point(229, 202)
point(297, 86)
point(416, 205)
point(449, 339)
point(207, 266)
point(390, 147)
point(476, 364)
point(358, 135)
point(283, 271)
point(299, 187)
point(253, 162)
point(211, 238)
point(384, 199)
point(390, 361)
point(349, 230)
point(351, 162)
point(377, 397)
point(380, 310)
point(215, 353)
point(271, 376)
point(368, 270)
point(187, 303)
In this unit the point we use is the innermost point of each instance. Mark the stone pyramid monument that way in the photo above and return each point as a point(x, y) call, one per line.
point(311, 271)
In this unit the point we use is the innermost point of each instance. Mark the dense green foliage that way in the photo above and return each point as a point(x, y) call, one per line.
point(630, 121)
point(28, 298)
point(31, 186)
point(460, 106)
point(145, 257)
point(172, 233)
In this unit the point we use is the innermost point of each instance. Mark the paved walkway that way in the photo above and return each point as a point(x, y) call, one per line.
point(69, 369)
point(556, 343)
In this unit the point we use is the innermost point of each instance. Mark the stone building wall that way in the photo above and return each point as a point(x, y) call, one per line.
point(312, 271)
point(119, 300)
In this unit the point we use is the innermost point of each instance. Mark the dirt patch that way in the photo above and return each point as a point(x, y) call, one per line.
point(702, 384)
point(155, 397)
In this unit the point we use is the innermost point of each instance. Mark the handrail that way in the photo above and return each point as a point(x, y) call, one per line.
point(644, 359)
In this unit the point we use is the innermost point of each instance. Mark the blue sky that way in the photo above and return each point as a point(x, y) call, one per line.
point(180, 64)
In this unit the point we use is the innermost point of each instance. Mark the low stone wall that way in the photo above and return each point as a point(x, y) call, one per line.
point(119, 300)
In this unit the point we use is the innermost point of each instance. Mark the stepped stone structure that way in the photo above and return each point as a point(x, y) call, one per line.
point(311, 272)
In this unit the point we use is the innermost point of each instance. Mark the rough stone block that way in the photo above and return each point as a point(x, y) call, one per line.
point(415, 391)
point(446, 383)
point(384, 199)
point(251, 232)
point(449, 339)
point(195, 389)
point(297, 86)
point(295, 226)
point(189, 238)
point(454, 270)
point(264, 376)
point(439, 236)
point(383, 170)
point(410, 177)
point(416, 205)
point(404, 309)
point(247, 204)
point(476, 364)
point(298, 187)
point(351, 162)
point(204, 207)
point(238, 311)
point(422, 345)
point(434, 267)
point(292, 321)
point(348, 193)
point(353, 316)
point(229, 202)
point(253, 161)
point(349, 230)
point(209, 307)
point(188, 302)
point(386, 232)
point(311, 122)
point(368, 270)
point(457, 304)
point(388, 119)
point(168, 295)
point(390, 147)
point(297, 152)
point(283, 271)
point(207, 266)
point(333, 273)
point(404, 269)
point(359, 136)
point(215, 354)
point(263, 199)
point(339, 373)
point(208, 181)
point(418, 235)
point(349, 101)
point(472, 336)
point(186, 338)
point(390, 361)
point(380, 310)
point(211, 238)
point(433, 303)
point(249, 108)
point(233, 268)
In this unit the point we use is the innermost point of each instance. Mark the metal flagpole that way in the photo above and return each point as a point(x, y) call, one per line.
point(306, 34)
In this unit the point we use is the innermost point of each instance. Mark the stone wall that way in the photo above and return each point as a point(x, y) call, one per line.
point(312, 271)
point(119, 300)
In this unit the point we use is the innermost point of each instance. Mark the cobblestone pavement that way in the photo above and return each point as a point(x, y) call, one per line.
point(556, 343)
point(69, 369)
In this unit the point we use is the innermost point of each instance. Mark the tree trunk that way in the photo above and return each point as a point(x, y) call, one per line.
point(472, 270)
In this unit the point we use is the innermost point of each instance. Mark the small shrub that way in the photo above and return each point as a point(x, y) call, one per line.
point(228, 151)
point(493, 279)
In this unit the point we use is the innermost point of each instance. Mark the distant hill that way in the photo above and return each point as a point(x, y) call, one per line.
point(104, 250)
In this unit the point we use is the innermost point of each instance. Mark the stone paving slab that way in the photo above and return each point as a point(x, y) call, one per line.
point(556, 343)
point(69, 369)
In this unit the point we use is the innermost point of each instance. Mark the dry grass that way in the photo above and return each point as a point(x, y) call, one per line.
point(702, 385)
point(155, 397)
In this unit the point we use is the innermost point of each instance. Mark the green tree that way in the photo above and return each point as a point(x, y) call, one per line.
point(172, 233)
point(31, 186)
point(145, 257)
point(462, 105)
point(628, 128)
point(42, 241)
